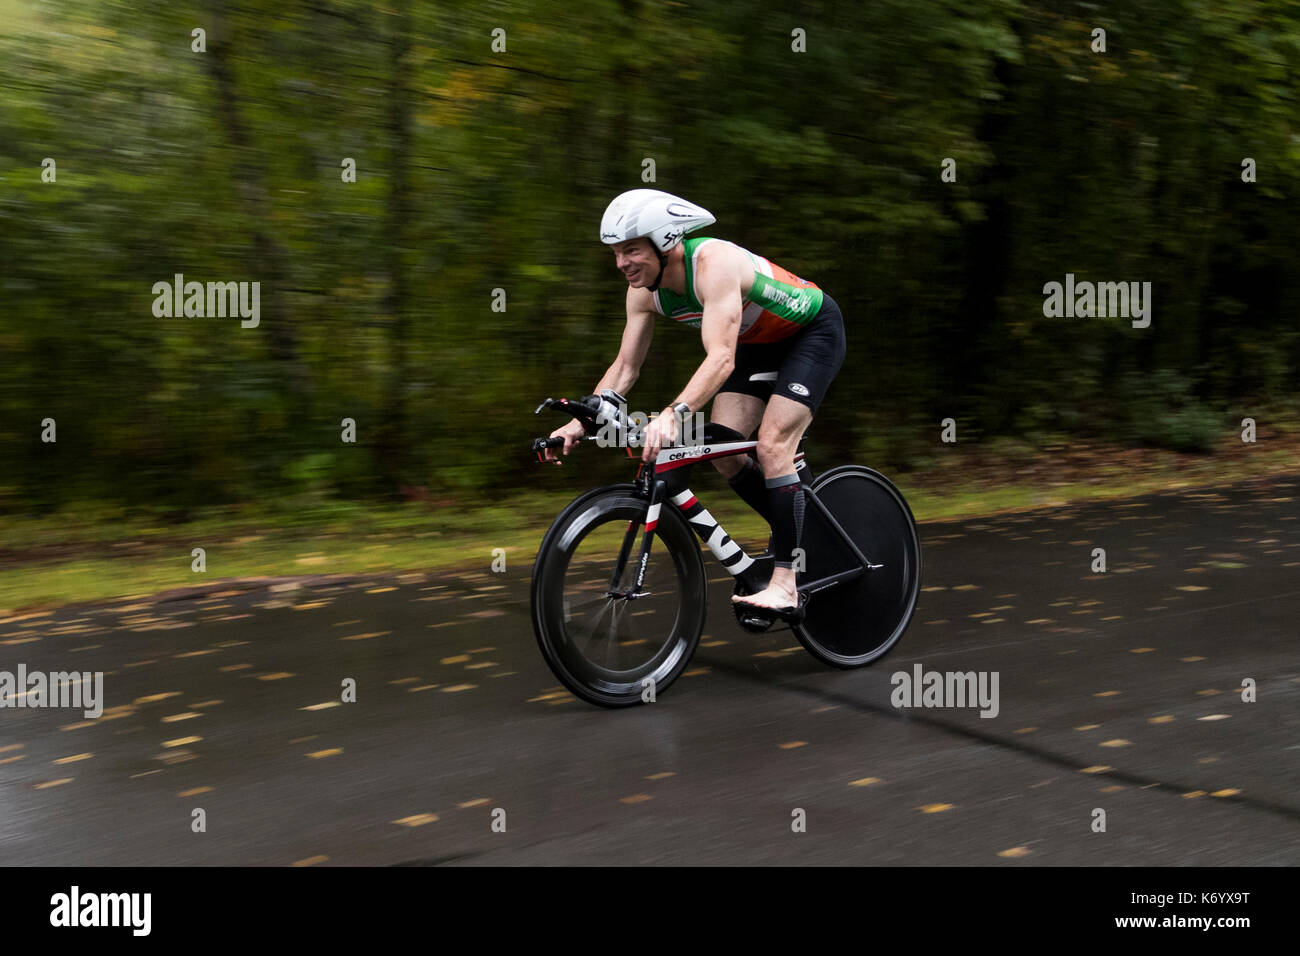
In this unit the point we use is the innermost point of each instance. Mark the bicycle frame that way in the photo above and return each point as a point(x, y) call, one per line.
point(667, 480)
point(656, 483)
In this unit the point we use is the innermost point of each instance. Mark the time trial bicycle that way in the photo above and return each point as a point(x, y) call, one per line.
point(613, 618)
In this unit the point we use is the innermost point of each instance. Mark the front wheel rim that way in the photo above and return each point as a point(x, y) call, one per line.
point(612, 647)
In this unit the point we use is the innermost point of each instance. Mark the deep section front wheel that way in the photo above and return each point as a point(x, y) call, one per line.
point(858, 621)
point(603, 639)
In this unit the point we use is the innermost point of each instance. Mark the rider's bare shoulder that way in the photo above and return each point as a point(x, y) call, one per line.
point(639, 301)
point(723, 267)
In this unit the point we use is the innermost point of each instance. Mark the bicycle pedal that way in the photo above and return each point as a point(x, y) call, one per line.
point(792, 615)
point(796, 614)
point(750, 616)
point(750, 619)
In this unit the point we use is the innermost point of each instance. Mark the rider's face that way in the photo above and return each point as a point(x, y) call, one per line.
point(637, 261)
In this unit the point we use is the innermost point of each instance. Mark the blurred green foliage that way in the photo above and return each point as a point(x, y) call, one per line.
point(480, 170)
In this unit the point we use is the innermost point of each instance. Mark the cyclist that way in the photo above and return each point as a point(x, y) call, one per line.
point(773, 343)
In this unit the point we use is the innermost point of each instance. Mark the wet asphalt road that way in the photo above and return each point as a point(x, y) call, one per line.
point(1118, 691)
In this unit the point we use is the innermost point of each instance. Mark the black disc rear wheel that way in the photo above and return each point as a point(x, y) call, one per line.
point(856, 622)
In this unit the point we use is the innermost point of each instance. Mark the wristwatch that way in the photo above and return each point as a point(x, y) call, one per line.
point(681, 408)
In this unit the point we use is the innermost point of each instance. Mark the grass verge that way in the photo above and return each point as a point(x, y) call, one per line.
point(95, 553)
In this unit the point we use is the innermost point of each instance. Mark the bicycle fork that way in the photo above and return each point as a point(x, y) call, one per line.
point(729, 554)
point(649, 523)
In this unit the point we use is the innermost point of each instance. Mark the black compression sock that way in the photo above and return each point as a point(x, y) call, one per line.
point(785, 497)
point(805, 473)
point(750, 485)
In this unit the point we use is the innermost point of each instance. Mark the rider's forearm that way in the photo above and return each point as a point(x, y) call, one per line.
point(706, 381)
point(619, 377)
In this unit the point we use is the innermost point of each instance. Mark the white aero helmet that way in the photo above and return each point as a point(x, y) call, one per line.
point(659, 216)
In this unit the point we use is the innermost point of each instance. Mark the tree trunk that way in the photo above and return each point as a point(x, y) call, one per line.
point(269, 261)
point(396, 301)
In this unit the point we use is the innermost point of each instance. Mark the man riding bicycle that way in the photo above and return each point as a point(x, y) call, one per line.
point(774, 343)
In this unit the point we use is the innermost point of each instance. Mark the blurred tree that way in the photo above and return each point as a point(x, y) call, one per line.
point(481, 168)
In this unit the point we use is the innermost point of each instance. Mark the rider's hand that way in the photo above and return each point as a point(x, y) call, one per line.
point(658, 434)
point(571, 433)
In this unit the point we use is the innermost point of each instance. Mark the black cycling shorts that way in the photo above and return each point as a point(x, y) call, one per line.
point(801, 367)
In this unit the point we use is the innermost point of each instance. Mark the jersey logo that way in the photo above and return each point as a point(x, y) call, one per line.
point(798, 389)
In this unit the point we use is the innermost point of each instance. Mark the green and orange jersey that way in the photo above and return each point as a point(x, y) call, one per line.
point(776, 307)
